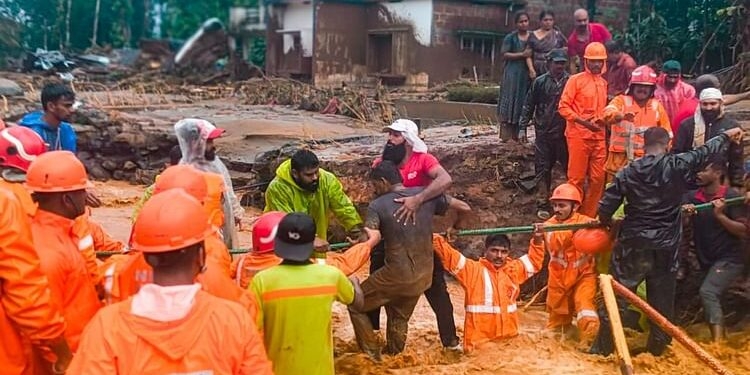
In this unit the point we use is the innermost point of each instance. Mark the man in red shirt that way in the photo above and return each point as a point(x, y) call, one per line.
point(620, 66)
point(418, 169)
point(584, 33)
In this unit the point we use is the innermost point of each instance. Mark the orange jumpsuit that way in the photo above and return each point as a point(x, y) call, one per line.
point(215, 337)
point(626, 139)
point(246, 266)
point(21, 194)
point(571, 287)
point(585, 96)
point(26, 309)
point(72, 290)
point(491, 292)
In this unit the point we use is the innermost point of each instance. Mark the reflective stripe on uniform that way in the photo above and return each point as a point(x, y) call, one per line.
point(585, 313)
point(85, 242)
point(238, 273)
point(300, 292)
point(527, 265)
point(109, 282)
point(460, 265)
point(488, 307)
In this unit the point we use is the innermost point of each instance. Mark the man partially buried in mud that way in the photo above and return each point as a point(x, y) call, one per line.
point(408, 260)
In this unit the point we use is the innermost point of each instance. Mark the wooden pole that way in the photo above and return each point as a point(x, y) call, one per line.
point(670, 328)
point(621, 345)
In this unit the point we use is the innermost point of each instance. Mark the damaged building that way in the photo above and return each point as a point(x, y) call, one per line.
point(416, 43)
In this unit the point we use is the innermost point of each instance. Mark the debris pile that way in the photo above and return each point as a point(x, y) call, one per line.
point(736, 78)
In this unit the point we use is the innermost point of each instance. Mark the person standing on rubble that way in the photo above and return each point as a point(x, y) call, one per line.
point(171, 326)
point(51, 123)
point(652, 188)
point(630, 115)
point(58, 181)
point(516, 78)
point(301, 185)
point(541, 109)
point(710, 120)
point(196, 138)
point(582, 106)
point(418, 168)
point(718, 235)
point(408, 268)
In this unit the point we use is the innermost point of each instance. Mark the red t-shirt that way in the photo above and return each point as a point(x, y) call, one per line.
point(597, 33)
point(416, 170)
point(685, 111)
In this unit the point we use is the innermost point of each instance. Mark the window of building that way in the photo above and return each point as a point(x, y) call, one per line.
point(482, 45)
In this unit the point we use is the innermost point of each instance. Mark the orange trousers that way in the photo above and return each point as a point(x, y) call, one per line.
point(564, 305)
point(615, 162)
point(586, 159)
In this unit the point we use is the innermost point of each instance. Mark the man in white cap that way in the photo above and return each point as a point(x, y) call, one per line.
point(418, 169)
point(708, 121)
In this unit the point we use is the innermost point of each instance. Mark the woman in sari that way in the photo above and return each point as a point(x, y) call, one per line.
point(516, 80)
point(542, 40)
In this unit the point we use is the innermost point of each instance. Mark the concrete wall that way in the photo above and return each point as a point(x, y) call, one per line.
point(340, 38)
point(298, 17)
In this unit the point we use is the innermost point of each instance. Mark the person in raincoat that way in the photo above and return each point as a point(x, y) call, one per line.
point(301, 185)
point(196, 138)
point(171, 326)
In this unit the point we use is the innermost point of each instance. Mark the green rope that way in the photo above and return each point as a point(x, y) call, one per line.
point(488, 231)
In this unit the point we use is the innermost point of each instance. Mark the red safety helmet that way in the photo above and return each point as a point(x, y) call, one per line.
point(566, 192)
point(592, 240)
point(264, 231)
point(643, 75)
point(19, 146)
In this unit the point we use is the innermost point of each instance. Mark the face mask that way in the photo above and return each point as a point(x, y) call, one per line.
point(394, 153)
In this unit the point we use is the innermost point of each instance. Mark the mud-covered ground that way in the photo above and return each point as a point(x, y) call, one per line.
point(535, 350)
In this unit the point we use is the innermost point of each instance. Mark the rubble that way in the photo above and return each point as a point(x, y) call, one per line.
point(9, 88)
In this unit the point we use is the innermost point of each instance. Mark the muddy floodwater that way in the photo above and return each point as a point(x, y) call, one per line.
point(535, 351)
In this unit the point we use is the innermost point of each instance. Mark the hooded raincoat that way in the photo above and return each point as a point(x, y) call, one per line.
point(192, 135)
point(283, 194)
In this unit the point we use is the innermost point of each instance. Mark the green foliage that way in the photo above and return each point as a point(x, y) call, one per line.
point(660, 30)
point(258, 51)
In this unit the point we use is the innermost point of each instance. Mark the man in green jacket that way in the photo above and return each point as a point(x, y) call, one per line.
point(301, 185)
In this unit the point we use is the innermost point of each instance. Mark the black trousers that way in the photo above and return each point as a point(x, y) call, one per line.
point(437, 296)
point(630, 266)
point(548, 151)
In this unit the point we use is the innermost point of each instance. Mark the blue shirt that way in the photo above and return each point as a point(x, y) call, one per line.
point(62, 137)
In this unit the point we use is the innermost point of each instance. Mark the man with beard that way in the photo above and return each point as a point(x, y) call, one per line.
point(718, 236)
point(408, 265)
point(582, 106)
point(585, 32)
point(652, 188)
point(688, 107)
point(51, 123)
point(418, 168)
point(671, 90)
point(709, 121)
point(196, 139)
point(301, 185)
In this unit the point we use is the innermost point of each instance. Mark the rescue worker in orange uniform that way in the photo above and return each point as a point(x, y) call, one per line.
point(571, 286)
point(172, 326)
point(490, 308)
point(582, 106)
point(26, 310)
point(262, 256)
point(58, 181)
point(630, 115)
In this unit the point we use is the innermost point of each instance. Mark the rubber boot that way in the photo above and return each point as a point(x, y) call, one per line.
point(718, 333)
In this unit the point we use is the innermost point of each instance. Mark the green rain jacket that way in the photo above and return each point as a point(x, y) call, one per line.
point(284, 195)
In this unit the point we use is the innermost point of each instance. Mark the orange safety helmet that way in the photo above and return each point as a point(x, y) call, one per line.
point(19, 146)
point(595, 51)
point(566, 192)
point(264, 231)
point(170, 221)
point(184, 177)
point(643, 75)
point(592, 241)
point(55, 172)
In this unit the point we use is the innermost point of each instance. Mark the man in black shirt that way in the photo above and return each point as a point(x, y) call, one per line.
point(541, 109)
point(718, 236)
